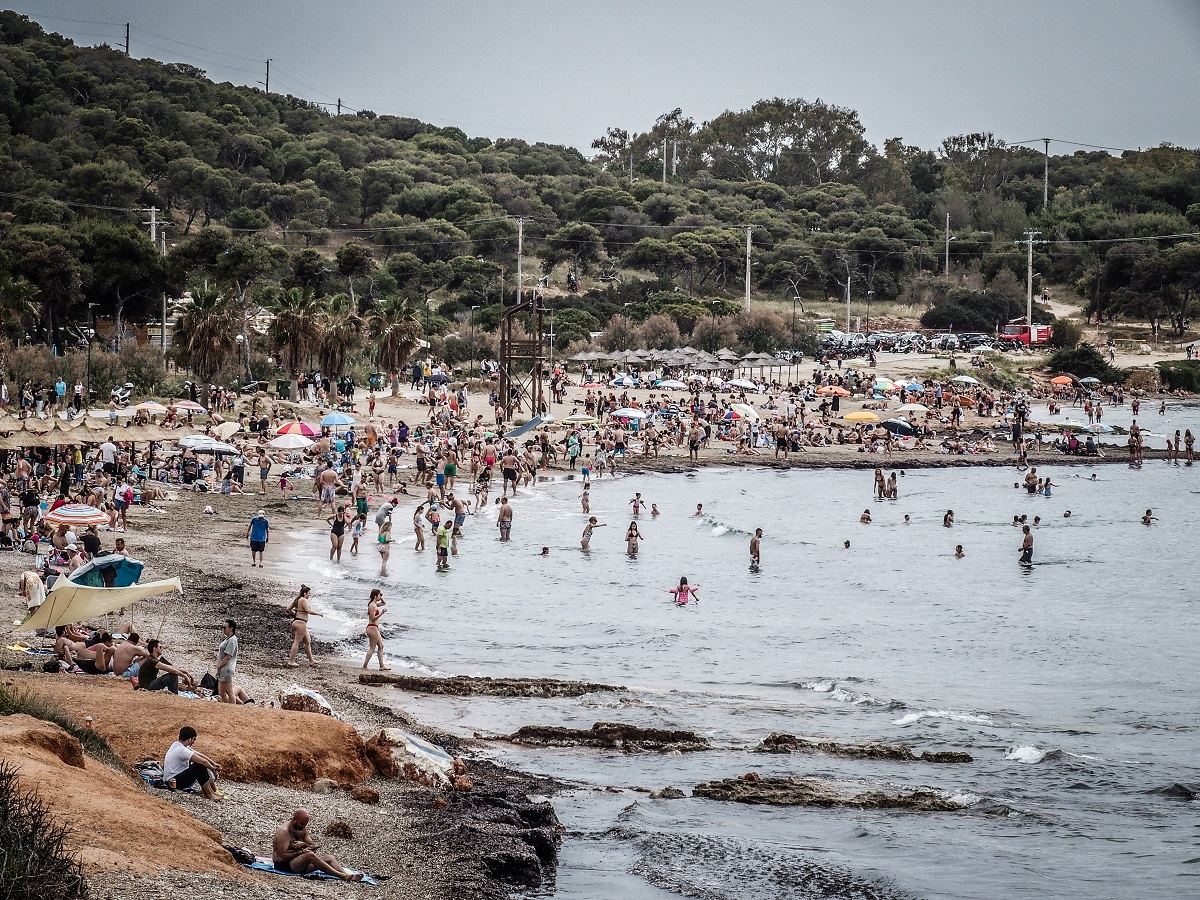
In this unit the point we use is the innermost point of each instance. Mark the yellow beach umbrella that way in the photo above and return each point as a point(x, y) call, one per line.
point(861, 416)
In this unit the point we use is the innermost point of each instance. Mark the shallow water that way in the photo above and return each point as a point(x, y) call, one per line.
point(1071, 682)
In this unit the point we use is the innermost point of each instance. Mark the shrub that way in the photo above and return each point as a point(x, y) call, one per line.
point(1085, 361)
point(762, 330)
point(1066, 334)
point(35, 863)
point(1180, 375)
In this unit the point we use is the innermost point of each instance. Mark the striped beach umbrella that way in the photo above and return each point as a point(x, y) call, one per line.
point(297, 427)
point(189, 406)
point(150, 406)
point(76, 514)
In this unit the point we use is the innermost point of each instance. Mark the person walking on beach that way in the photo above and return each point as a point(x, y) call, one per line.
point(443, 547)
point(632, 536)
point(385, 545)
point(755, 544)
point(418, 527)
point(264, 470)
point(300, 610)
point(375, 610)
point(227, 652)
point(326, 486)
point(1026, 546)
point(504, 520)
point(259, 533)
point(592, 525)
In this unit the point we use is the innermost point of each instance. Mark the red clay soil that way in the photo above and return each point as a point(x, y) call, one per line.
point(252, 744)
point(113, 823)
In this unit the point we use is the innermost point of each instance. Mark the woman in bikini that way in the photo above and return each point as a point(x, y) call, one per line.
point(375, 610)
point(632, 536)
point(418, 527)
point(685, 591)
point(337, 533)
point(385, 545)
point(300, 610)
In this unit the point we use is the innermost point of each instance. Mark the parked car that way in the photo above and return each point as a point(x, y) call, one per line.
point(945, 341)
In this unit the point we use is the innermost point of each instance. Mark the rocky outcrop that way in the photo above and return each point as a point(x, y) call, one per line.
point(610, 736)
point(780, 742)
point(251, 743)
point(49, 761)
point(467, 686)
point(781, 791)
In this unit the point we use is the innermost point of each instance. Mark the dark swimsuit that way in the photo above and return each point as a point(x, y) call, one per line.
point(339, 527)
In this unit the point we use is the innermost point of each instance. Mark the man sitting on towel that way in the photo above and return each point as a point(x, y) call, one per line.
point(293, 851)
point(184, 766)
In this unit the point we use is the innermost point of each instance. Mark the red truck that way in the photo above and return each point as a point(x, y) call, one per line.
point(1019, 333)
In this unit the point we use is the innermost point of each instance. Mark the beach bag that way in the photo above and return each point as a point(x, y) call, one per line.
point(51, 666)
point(208, 682)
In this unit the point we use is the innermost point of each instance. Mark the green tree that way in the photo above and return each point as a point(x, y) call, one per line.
point(18, 307)
point(577, 244)
point(341, 334)
point(354, 261)
point(395, 328)
point(295, 331)
point(761, 330)
point(204, 335)
point(124, 274)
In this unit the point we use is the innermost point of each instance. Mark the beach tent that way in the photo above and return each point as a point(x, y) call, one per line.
point(113, 570)
point(71, 602)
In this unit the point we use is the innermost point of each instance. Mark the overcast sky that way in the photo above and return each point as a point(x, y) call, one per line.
point(1106, 72)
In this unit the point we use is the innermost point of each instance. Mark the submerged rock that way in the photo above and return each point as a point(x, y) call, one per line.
point(670, 792)
point(610, 735)
point(464, 685)
point(779, 742)
point(813, 792)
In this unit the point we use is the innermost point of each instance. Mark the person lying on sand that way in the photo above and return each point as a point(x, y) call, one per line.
point(293, 851)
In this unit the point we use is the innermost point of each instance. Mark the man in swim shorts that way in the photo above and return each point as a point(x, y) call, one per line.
point(504, 522)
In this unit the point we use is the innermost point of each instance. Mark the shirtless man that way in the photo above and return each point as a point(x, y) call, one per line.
point(327, 484)
point(460, 518)
point(294, 851)
point(126, 659)
point(755, 543)
point(508, 468)
point(1026, 546)
point(504, 520)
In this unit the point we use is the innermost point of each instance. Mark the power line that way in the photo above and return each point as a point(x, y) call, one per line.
point(193, 46)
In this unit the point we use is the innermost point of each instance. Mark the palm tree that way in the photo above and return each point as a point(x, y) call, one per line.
point(17, 308)
point(205, 333)
point(341, 333)
point(394, 325)
point(295, 332)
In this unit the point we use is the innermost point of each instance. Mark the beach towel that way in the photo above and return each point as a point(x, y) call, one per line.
point(264, 864)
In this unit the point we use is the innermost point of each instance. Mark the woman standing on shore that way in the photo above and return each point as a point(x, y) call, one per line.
point(385, 545)
point(337, 532)
point(375, 610)
point(418, 527)
point(299, 610)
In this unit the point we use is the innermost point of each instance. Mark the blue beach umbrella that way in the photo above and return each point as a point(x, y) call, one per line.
point(336, 419)
point(112, 570)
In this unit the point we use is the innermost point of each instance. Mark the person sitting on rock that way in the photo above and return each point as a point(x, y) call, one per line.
point(293, 851)
point(156, 673)
point(183, 766)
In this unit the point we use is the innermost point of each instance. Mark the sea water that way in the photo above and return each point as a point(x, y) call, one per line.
point(1072, 682)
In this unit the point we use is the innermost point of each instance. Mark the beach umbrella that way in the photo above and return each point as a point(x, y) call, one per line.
point(912, 407)
point(76, 515)
point(861, 416)
point(965, 379)
point(336, 419)
point(439, 378)
point(744, 383)
point(671, 384)
point(298, 427)
point(189, 406)
point(833, 389)
point(150, 406)
point(226, 430)
point(629, 413)
point(623, 381)
point(592, 386)
point(915, 386)
point(898, 426)
point(292, 442)
point(1089, 380)
point(202, 443)
point(1100, 428)
point(745, 410)
point(580, 419)
point(1061, 379)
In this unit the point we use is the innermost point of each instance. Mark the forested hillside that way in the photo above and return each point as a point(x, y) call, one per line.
point(362, 232)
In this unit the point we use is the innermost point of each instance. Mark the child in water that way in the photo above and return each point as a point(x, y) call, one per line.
point(685, 591)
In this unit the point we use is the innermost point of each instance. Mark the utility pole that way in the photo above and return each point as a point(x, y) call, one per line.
point(1029, 236)
point(674, 158)
point(520, 253)
point(749, 229)
point(126, 38)
point(339, 112)
point(267, 84)
point(947, 246)
point(162, 334)
point(1046, 175)
point(631, 166)
point(664, 160)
